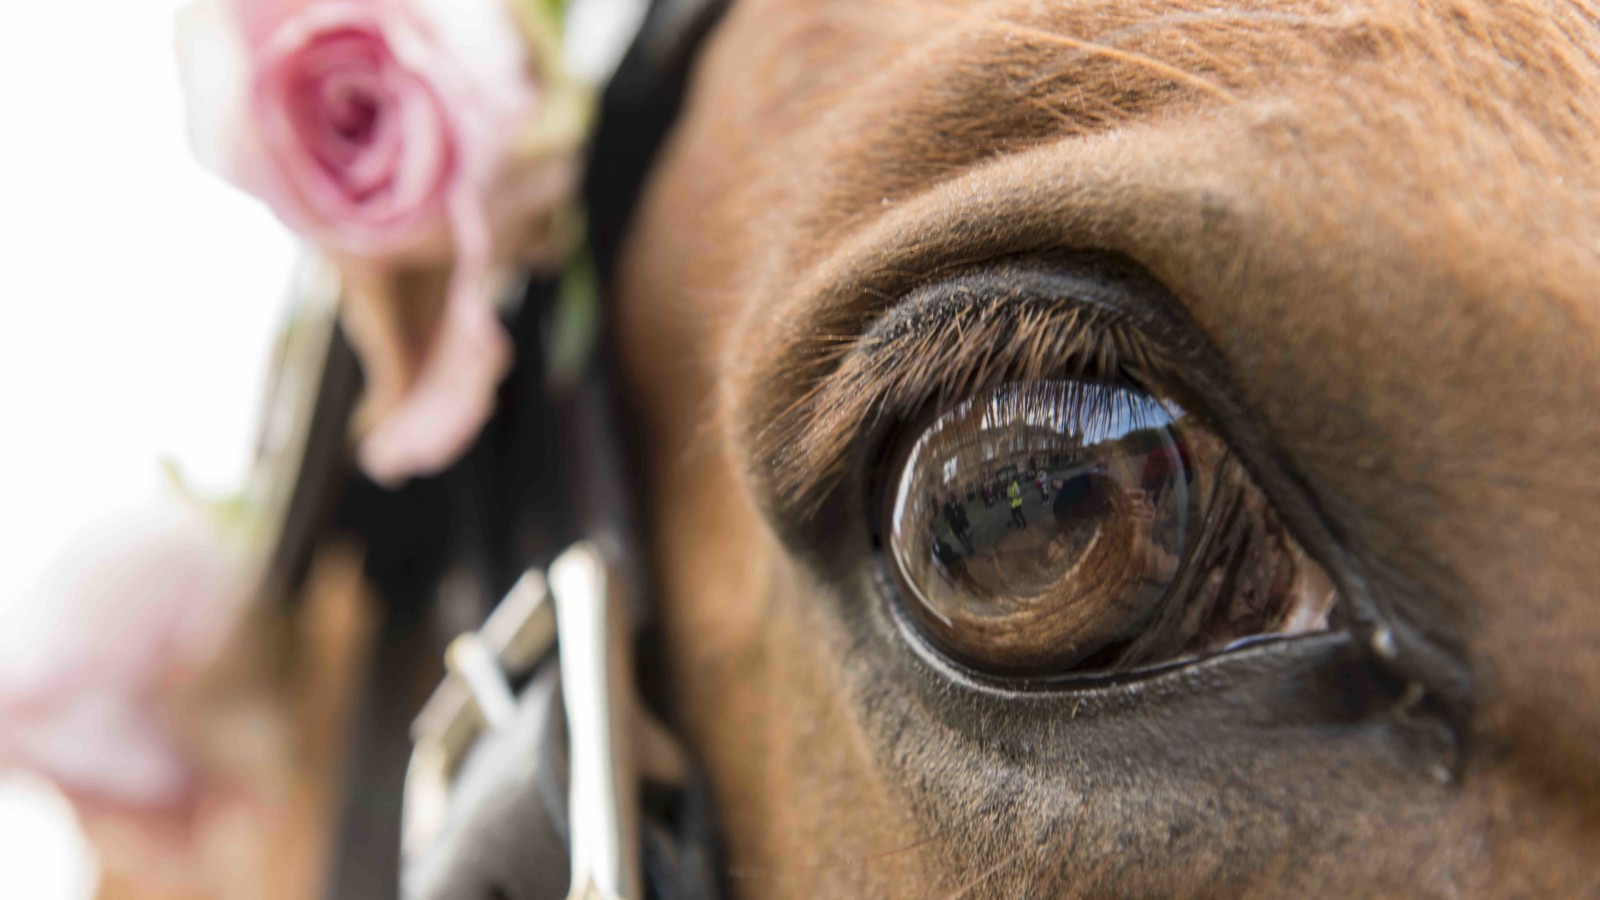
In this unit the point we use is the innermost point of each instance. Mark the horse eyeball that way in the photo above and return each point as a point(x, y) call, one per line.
point(1067, 526)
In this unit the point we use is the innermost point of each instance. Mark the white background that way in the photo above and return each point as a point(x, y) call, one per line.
point(141, 297)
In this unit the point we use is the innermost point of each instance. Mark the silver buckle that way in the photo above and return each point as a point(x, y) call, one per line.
point(584, 608)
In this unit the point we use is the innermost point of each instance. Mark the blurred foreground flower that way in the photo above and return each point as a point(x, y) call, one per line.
point(399, 136)
point(92, 654)
point(142, 678)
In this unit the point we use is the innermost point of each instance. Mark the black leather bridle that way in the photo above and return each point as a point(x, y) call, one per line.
point(522, 772)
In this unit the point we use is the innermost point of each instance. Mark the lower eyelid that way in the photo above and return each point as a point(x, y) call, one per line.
point(1093, 691)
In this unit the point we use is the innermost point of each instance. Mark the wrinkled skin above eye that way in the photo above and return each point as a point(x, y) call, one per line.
point(1065, 526)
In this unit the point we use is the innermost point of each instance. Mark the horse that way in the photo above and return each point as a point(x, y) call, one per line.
point(1363, 236)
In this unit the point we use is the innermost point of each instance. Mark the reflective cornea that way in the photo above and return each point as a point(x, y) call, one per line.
point(1067, 526)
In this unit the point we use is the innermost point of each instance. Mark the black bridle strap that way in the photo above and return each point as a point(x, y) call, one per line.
point(639, 107)
point(518, 507)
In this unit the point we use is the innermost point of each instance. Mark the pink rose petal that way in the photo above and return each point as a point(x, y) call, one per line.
point(384, 131)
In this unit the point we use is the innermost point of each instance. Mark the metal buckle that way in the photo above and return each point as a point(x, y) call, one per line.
point(583, 608)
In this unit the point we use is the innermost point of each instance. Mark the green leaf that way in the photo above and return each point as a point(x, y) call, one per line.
point(577, 322)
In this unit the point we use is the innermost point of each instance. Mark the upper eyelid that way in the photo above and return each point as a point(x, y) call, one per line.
point(940, 343)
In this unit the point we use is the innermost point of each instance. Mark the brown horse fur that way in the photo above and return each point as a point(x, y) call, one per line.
point(1383, 217)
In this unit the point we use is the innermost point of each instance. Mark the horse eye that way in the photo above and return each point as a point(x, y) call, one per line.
point(1070, 527)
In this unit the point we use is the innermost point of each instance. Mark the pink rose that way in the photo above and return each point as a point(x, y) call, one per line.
point(386, 132)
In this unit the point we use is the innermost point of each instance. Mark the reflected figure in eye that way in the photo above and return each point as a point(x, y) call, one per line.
point(1014, 494)
point(956, 515)
point(947, 561)
point(1161, 466)
point(1161, 562)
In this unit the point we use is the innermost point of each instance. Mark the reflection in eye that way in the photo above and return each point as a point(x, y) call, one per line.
point(1075, 526)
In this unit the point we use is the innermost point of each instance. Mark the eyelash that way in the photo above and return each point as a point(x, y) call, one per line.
point(978, 343)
